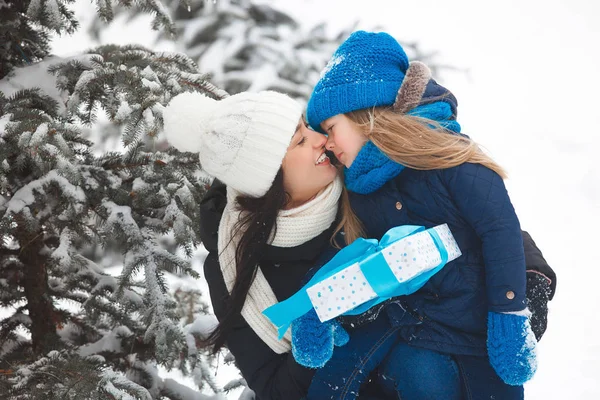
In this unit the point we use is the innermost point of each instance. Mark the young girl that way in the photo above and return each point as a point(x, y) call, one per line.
point(406, 167)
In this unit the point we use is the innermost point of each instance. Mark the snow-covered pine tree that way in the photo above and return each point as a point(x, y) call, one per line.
point(244, 45)
point(248, 46)
point(68, 330)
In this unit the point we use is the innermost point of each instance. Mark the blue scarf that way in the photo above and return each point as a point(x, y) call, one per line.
point(372, 169)
point(441, 112)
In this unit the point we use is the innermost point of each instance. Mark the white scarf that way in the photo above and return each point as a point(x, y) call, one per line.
point(294, 227)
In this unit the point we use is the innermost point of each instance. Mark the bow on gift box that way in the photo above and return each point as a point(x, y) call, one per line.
point(372, 261)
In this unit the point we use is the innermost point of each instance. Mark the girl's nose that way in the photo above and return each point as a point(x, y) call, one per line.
point(330, 143)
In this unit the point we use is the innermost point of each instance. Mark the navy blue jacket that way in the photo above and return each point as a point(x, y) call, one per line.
point(449, 314)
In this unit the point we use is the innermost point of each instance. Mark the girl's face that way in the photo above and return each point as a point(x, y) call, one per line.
point(306, 168)
point(345, 139)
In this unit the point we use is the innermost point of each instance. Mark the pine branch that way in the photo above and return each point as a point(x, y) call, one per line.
point(9, 252)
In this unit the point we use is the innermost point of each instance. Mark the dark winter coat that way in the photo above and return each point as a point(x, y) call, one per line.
point(449, 313)
point(272, 376)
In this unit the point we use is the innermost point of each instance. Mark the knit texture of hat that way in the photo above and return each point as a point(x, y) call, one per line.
point(241, 140)
point(365, 71)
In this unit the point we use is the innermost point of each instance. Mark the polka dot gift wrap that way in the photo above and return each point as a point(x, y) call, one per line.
point(404, 265)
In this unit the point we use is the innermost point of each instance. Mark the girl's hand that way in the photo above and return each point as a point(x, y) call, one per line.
point(313, 340)
point(512, 346)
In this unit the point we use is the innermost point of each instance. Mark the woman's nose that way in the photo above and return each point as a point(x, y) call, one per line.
point(319, 140)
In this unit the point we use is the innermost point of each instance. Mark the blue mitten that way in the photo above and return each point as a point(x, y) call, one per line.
point(511, 346)
point(313, 340)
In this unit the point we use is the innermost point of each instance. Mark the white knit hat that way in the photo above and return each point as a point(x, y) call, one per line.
point(241, 139)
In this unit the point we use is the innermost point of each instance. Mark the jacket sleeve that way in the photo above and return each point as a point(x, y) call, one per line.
point(536, 264)
point(541, 285)
point(270, 375)
point(482, 200)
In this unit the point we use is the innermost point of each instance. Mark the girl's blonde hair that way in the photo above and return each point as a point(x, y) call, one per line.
point(419, 143)
point(349, 222)
point(414, 142)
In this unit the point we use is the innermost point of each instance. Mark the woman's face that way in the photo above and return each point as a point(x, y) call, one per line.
point(345, 139)
point(306, 168)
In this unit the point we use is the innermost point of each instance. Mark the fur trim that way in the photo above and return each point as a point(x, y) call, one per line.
point(412, 88)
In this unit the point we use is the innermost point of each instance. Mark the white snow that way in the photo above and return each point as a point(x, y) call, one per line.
point(116, 393)
point(62, 143)
point(4, 121)
point(111, 378)
point(148, 117)
point(38, 136)
point(109, 343)
point(34, 8)
point(162, 9)
point(149, 74)
point(335, 60)
point(185, 195)
point(123, 111)
point(51, 149)
point(35, 75)
point(138, 184)
point(61, 253)
point(185, 393)
point(530, 348)
point(151, 85)
point(53, 12)
point(203, 325)
point(84, 79)
point(25, 196)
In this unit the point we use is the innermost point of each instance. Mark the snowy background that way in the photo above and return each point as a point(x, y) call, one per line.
point(528, 91)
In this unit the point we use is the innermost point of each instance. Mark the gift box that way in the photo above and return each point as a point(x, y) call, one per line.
point(406, 259)
point(368, 272)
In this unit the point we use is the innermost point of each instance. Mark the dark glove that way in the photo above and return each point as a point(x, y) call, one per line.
point(538, 295)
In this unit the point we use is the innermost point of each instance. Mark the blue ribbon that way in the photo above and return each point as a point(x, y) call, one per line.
point(366, 252)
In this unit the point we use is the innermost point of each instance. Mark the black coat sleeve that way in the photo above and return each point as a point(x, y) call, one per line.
point(536, 263)
point(270, 375)
point(541, 284)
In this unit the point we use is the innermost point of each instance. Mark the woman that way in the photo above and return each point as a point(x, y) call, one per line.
point(266, 229)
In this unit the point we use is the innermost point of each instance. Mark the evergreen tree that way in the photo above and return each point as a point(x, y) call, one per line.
point(248, 46)
point(72, 330)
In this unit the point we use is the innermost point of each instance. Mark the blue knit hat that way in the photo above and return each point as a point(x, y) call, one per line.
point(365, 71)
